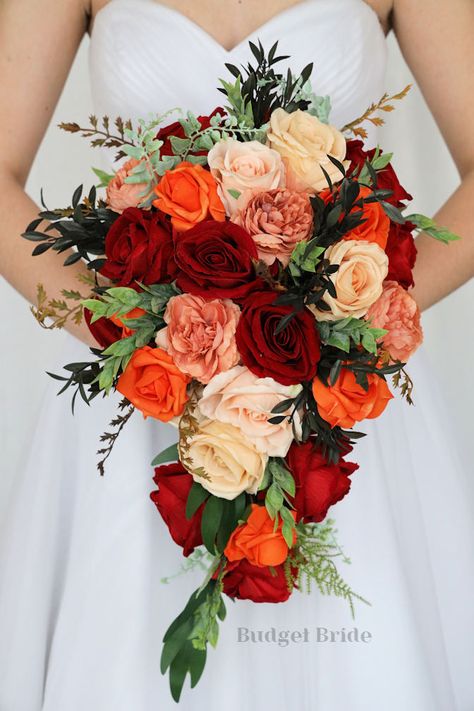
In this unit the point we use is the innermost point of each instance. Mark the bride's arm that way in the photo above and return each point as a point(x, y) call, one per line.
point(435, 37)
point(38, 42)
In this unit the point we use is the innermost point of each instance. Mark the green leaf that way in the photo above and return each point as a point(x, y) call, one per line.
point(104, 177)
point(379, 162)
point(234, 193)
point(197, 495)
point(426, 224)
point(170, 454)
point(211, 519)
point(274, 500)
point(174, 643)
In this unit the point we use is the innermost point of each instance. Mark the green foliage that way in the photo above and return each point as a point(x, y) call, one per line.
point(340, 334)
point(219, 518)
point(170, 454)
point(281, 485)
point(429, 226)
point(313, 557)
point(82, 227)
point(186, 640)
point(104, 177)
point(259, 90)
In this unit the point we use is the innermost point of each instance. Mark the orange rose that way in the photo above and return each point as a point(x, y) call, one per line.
point(119, 321)
point(346, 402)
point(377, 223)
point(256, 540)
point(153, 383)
point(189, 195)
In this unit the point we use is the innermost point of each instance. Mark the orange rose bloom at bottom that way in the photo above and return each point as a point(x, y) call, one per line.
point(346, 402)
point(153, 383)
point(256, 541)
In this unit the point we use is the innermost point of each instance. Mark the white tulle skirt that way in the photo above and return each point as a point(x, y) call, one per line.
point(83, 609)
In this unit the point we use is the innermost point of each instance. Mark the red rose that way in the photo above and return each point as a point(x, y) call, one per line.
point(401, 253)
point(174, 484)
point(386, 179)
point(290, 356)
point(215, 260)
point(104, 330)
point(319, 484)
point(175, 129)
point(139, 247)
point(245, 581)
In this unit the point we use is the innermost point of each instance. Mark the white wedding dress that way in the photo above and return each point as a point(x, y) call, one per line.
point(82, 606)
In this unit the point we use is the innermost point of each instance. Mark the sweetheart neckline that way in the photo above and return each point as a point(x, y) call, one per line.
point(301, 5)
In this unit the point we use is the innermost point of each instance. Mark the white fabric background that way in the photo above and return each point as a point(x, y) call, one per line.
point(64, 161)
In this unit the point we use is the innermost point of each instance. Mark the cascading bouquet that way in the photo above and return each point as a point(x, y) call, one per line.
point(250, 274)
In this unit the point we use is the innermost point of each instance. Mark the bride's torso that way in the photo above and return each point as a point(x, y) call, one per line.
point(146, 57)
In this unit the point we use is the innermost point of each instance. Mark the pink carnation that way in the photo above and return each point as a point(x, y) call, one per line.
point(277, 220)
point(200, 335)
point(120, 194)
point(398, 313)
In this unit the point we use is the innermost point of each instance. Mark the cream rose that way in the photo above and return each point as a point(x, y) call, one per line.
point(244, 167)
point(231, 461)
point(246, 401)
point(304, 143)
point(358, 281)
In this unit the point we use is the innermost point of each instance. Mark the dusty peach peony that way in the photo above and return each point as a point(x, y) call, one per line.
point(363, 267)
point(120, 194)
point(244, 167)
point(398, 313)
point(277, 220)
point(200, 335)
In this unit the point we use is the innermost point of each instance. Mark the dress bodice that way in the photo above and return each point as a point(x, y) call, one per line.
point(148, 58)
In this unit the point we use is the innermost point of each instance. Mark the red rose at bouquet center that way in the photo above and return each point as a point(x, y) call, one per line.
point(174, 484)
point(401, 253)
point(139, 247)
point(319, 484)
point(386, 179)
point(245, 581)
point(290, 356)
point(175, 129)
point(215, 260)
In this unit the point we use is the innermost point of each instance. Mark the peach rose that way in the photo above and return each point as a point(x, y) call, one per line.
point(346, 402)
point(188, 193)
point(304, 143)
point(398, 313)
point(277, 220)
point(200, 335)
point(258, 541)
point(153, 383)
point(246, 401)
point(231, 461)
point(358, 281)
point(120, 194)
point(244, 167)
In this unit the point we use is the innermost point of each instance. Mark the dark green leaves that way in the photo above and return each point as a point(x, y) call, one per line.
point(263, 89)
point(82, 227)
point(170, 454)
point(185, 642)
point(220, 517)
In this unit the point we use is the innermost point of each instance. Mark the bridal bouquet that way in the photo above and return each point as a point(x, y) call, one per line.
point(249, 285)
